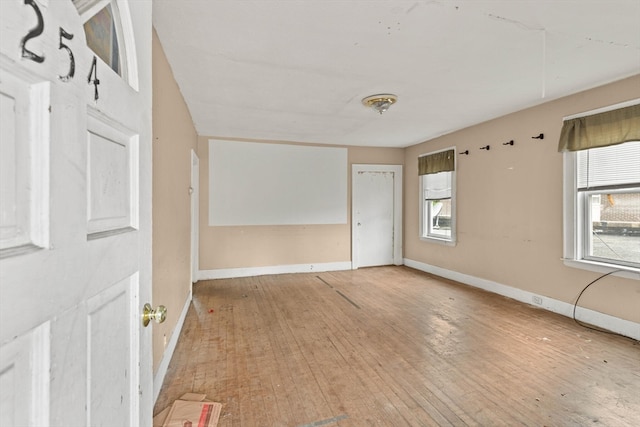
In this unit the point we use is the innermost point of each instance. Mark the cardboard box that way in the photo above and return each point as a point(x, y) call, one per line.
point(185, 413)
point(191, 410)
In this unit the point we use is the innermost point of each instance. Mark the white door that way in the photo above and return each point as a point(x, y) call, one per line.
point(376, 215)
point(75, 212)
point(195, 217)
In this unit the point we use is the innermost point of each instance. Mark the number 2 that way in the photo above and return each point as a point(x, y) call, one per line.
point(33, 33)
point(72, 60)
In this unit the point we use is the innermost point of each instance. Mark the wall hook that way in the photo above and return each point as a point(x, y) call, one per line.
point(541, 136)
point(508, 143)
point(465, 152)
point(486, 147)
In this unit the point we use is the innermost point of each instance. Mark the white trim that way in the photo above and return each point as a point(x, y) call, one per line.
point(397, 209)
point(227, 273)
point(600, 267)
point(194, 229)
point(158, 378)
point(601, 320)
point(603, 109)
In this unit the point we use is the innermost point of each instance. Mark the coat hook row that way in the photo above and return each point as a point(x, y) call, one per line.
point(486, 147)
point(508, 143)
point(541, 136)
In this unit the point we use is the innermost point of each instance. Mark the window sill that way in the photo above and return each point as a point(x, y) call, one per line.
point(601, 267)
point(438, 241)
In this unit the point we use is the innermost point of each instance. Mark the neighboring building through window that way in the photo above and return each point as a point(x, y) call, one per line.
point(437, 194)
point(602, 193)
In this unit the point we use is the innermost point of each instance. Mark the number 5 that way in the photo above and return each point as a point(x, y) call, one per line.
point(72, 60)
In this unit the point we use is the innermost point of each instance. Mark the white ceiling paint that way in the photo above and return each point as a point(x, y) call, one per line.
point(296, 70)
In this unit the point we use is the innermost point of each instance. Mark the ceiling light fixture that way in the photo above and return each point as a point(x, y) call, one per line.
point(380, 102)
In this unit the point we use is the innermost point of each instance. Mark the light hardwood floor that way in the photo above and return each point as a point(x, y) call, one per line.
point(392, 346)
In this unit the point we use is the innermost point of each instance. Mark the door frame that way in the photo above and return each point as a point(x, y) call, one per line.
point(397, 210)
point(194, 192)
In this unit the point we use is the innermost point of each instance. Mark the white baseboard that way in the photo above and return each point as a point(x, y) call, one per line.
point(601, 320)
point(227, 273)
point(158, 378)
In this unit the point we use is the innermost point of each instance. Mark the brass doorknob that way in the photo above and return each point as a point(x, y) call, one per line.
point(149, 313)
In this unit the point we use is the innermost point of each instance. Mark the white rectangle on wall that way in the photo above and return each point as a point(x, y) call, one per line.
point(276, 184)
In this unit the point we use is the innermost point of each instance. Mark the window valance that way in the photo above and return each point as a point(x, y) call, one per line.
point(437, 162)
point(601, 130)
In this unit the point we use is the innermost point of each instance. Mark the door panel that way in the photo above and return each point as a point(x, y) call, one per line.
point(24, 379)
point(112, 172)
point(112, 364)
point(23, 162)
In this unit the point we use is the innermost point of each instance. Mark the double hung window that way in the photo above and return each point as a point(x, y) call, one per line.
point(602, 188)
point(437, 196)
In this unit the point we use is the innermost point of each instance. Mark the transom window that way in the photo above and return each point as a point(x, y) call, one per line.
point(104, 32)
point(102, 37)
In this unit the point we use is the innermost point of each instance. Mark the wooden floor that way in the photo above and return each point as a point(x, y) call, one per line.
point(392, 346)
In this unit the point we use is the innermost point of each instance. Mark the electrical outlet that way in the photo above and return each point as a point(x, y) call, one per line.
point(537, 300)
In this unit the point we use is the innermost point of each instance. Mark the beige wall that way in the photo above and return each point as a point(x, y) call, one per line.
point(261, 246)
point(510, 205)
point(173, 138)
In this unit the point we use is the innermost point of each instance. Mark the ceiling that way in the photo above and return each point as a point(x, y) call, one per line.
point(297, 70)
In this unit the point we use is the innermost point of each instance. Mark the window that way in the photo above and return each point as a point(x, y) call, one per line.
point(108, 31)
point(102, 37)
point(437, 196)
point(602, 198)
point(608, 204)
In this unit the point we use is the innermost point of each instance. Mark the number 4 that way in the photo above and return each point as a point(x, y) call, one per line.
point(94, 71)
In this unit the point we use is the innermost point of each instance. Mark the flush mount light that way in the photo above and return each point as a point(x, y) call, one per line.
point(380, 102)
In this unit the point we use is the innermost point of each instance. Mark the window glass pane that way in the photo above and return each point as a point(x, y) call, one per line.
point(102, 37)
point(613, 227)
point(439, 218)
point(437, 206)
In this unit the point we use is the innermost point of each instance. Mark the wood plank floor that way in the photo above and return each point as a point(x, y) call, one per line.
point(392, 346)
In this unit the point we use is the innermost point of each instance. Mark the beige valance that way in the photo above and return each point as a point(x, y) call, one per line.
point(601, 130)
point(437, 162)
